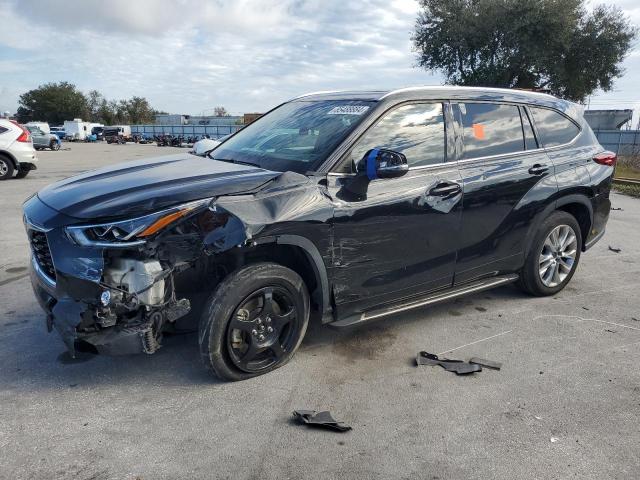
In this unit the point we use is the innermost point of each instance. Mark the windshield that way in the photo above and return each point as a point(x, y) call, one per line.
point(296, 136)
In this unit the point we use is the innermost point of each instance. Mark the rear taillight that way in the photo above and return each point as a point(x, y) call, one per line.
point(24, 137)
point(606, 158)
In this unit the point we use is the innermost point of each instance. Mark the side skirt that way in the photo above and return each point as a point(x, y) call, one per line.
point(441, 296)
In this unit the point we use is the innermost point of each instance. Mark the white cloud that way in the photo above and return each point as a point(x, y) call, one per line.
point(188, 56)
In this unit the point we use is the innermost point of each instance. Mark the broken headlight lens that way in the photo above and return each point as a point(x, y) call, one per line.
point(128, 233)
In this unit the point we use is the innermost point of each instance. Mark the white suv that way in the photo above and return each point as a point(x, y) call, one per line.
point(16, 150)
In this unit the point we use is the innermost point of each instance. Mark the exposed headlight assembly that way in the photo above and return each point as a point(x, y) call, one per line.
point(129, 233)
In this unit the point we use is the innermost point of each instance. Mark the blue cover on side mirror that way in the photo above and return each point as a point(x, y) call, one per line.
point(371, 164)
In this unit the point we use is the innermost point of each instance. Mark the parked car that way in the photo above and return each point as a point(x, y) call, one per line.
point(203, 146)
point(42, 140)
point(98, 132)
point(17, 154)
point(59, 132)
point(340, 207)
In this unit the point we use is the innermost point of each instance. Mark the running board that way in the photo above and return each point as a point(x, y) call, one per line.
point(442, 296)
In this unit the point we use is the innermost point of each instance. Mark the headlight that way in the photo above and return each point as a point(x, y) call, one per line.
point(128, 233)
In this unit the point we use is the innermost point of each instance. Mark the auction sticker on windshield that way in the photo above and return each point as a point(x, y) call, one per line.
point(348, 110)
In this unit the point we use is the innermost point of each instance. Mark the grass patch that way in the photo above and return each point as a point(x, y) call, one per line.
point(627, 171)
point(631, 190)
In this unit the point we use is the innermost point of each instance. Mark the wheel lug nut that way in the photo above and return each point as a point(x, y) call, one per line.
point(261, 337)
point(254, 332)
point(269, 329)
point(268, 319)
point(259, 321)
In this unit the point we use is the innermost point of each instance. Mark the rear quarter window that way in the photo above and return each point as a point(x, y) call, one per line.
point(2, 130)
point(554, 128)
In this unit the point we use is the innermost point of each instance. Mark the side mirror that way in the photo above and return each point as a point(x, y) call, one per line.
point(381, 163)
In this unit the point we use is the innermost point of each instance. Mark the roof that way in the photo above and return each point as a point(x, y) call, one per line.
point(444, 92)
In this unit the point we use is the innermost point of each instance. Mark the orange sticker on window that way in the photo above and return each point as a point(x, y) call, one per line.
point(478, 131)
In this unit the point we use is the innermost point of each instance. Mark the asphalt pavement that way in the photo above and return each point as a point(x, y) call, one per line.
point(564, 405)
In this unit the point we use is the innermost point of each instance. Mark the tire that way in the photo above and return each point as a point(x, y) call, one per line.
point(54, 146)
point(550, 264)
point(6, 168)
point(22, 173)
point(266, 337)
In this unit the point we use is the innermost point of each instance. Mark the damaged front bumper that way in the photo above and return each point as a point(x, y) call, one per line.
point(90, 304)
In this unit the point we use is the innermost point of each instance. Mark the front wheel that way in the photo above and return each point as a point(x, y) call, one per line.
point(554, 255)
point(254, 321)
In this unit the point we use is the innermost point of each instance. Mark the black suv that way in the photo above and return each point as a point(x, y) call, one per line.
point(343, 207)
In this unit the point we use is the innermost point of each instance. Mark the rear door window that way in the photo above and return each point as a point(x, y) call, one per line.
point(489, 129)
point(554, 128)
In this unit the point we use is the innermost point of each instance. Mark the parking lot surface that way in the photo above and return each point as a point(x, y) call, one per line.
point(565, 404)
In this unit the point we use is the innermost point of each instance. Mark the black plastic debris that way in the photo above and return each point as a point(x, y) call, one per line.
point(457, 366)
point(617, 250)
point(616, 208)
point(320, 419)
point(486, 363)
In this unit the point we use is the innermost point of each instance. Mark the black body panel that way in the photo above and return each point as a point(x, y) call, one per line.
point(386, 242)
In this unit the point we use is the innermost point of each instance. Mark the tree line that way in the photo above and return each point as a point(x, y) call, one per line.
point(56, 102)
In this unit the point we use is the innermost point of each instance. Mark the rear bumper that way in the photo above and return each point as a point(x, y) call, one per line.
point(23, 153)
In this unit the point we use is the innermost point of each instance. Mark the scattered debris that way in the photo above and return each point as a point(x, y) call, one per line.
point(616, 208)
point(486, 363)
point(617, 250)
point(554, 439)
point(610, 331)
point(585, 308)
point(457, 366)
point(320, 419)
point(635, 319)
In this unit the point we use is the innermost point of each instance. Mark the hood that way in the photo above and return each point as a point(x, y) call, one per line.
point(143, 186)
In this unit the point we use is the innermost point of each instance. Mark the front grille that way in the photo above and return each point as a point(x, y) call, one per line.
point(42, 254)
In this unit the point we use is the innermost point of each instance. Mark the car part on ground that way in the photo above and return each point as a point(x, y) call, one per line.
point(486, 363)
point(320, 419)
point(615, 250)
point(317, 211)
point(459, 367)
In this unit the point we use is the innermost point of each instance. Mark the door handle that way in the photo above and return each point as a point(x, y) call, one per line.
point(538, 169)
point(445, 189)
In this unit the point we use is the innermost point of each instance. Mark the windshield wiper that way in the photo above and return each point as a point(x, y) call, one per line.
point(239, 162)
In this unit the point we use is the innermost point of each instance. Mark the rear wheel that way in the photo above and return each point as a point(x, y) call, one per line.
point(254, 321)
point(554, 255)
point(6, 168)
point(54, 145)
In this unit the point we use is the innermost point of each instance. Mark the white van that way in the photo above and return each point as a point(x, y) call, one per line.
point(76, 129)
point(44, 126)
point(117, 133)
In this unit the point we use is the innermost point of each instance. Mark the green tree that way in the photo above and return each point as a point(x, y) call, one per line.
point(53, 103)
point(538, 44)
point(139, 111)
point(94, 102)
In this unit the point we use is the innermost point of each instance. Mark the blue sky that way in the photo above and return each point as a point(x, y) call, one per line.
point(188, 56)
